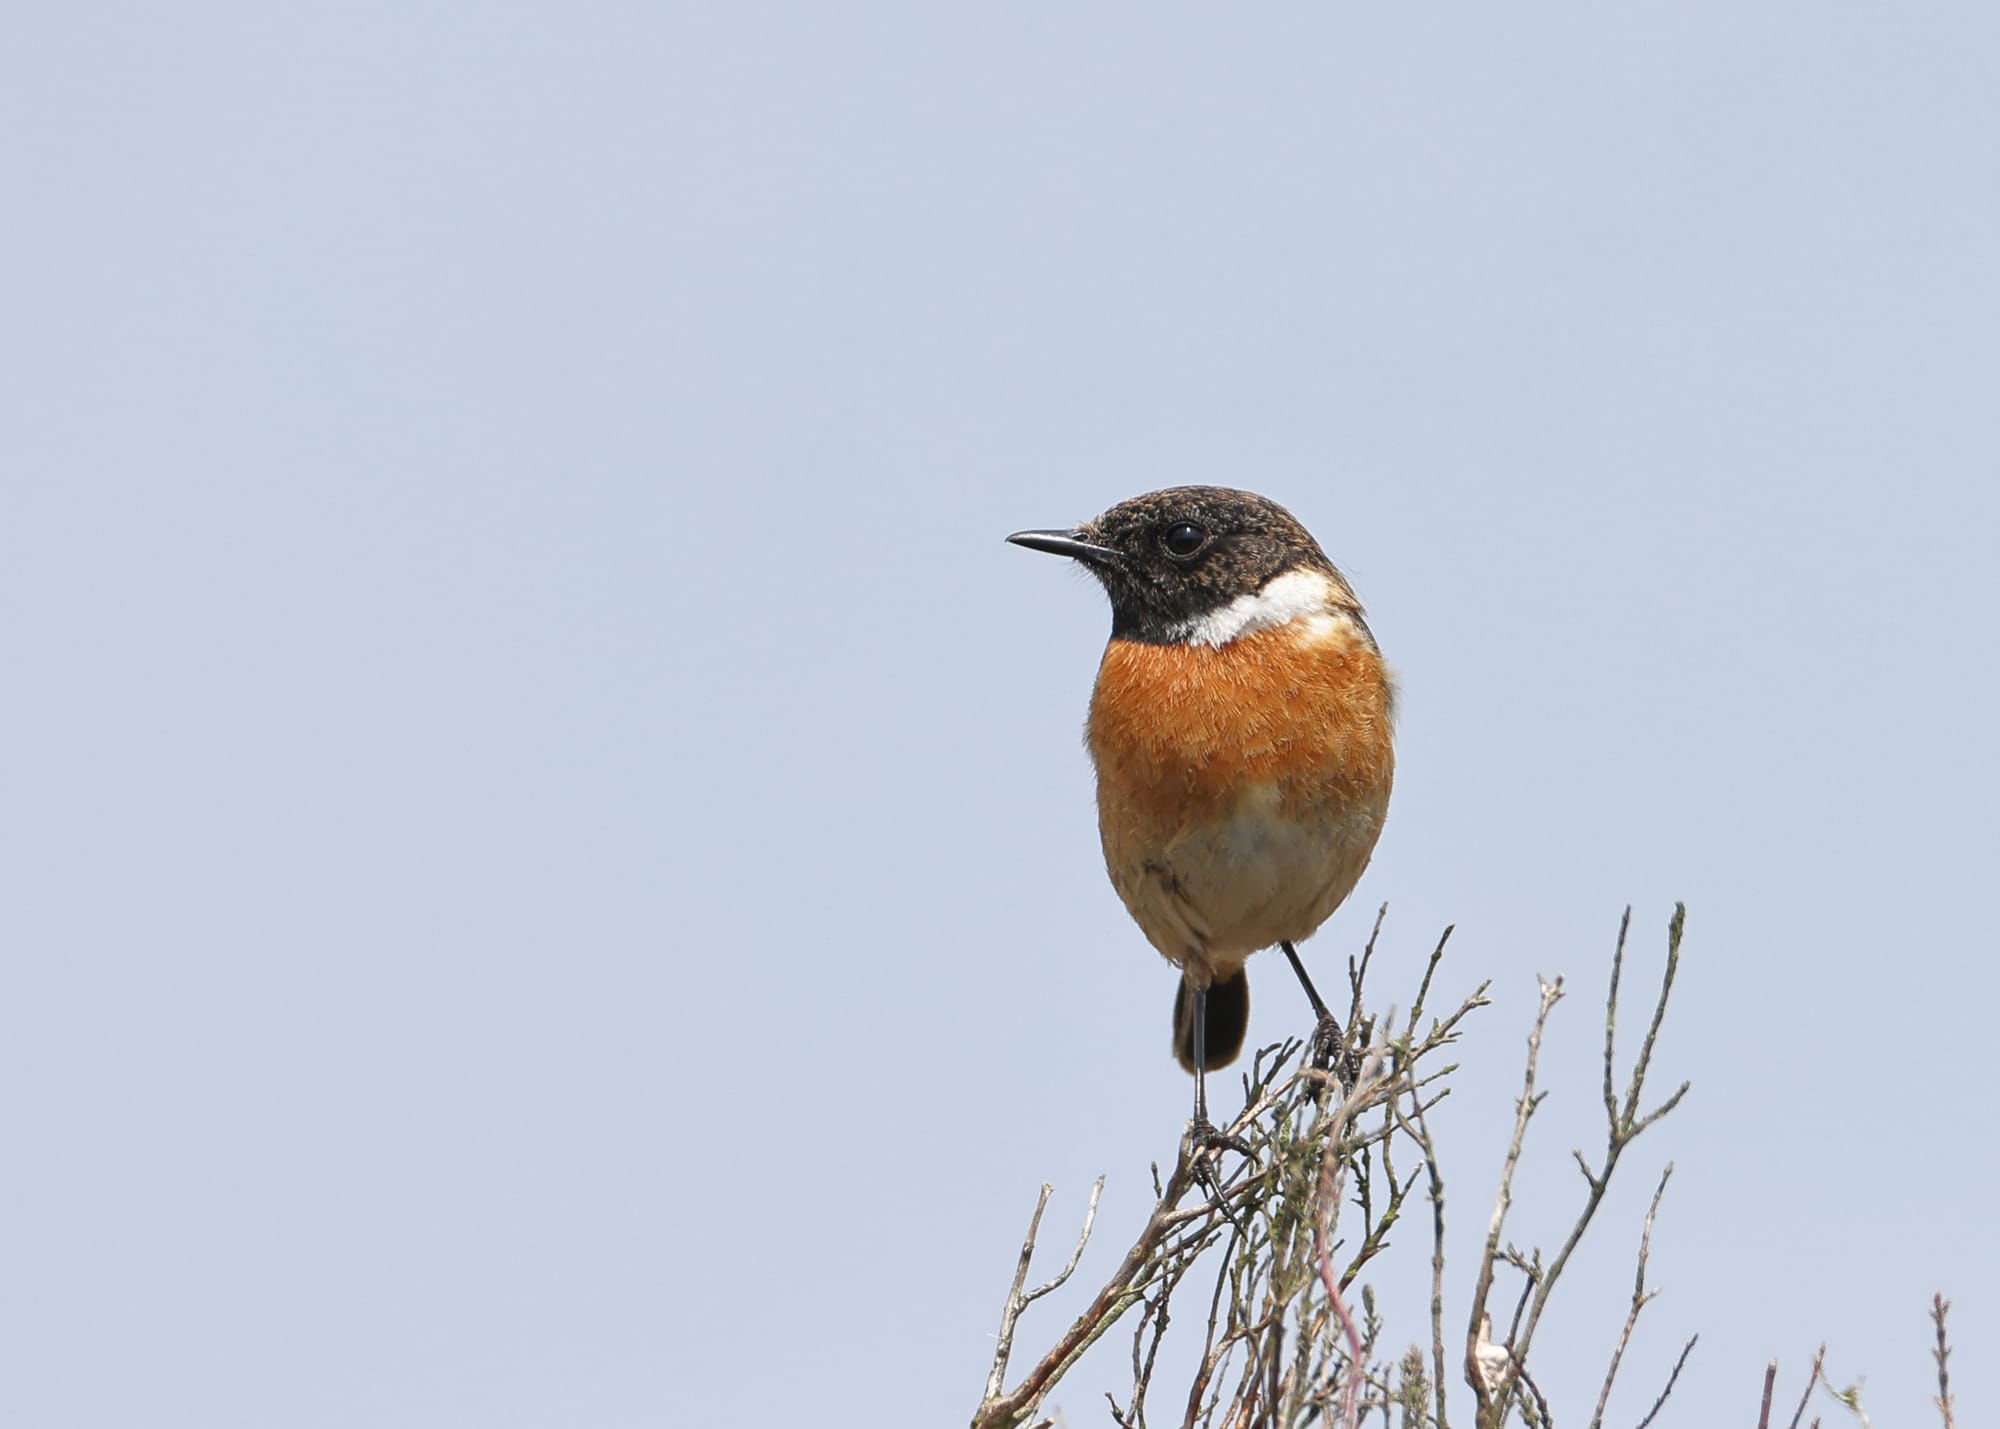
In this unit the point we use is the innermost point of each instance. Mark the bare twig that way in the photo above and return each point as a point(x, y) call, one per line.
point(1332, 1174)
point(1011, 1312)
point(1422, 1135)
point(1672, 1379)
point(1941, 1307)
point(1082, 1239)
point(1530, 1267)
point(1640, 1295)
point(1524, 1111)
point(1119, 1294)
point(1624, 1127)
point(1818, 1372)
point(1542, 1420)
point(1624, 1124)
point(1770, 1381)
point(1018, 1299)
point(1357, 972)
point(1424, 987)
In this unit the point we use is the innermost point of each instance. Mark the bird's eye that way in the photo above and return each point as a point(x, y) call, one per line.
point(1184, 538)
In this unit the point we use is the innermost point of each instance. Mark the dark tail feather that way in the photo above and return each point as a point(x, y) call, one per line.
point(1228, 1019)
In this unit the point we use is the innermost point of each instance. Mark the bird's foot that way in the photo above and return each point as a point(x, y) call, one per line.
point(1203, 1138)
point(1325, 1052)
point(1325, 1043)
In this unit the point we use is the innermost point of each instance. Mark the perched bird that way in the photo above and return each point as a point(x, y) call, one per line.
point(1241, 733)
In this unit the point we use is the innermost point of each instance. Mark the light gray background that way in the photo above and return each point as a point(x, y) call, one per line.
point(549, 873)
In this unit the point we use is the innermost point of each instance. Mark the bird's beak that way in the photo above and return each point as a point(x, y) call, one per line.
point(1065, 543)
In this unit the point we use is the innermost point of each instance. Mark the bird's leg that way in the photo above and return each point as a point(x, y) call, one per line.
point(1203, 1135)
point(1326, 1036)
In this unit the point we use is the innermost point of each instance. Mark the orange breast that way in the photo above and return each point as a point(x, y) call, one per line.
point(1178, 730)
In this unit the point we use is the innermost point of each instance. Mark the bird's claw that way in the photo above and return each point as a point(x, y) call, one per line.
point(1325, 1045)
point(1203, 1138)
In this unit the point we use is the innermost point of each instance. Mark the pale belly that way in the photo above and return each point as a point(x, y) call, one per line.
point(1217, 892)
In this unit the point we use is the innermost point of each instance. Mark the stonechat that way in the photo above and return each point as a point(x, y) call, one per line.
point(1241, 732)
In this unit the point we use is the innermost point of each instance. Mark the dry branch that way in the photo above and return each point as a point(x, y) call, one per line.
point(1624, 1124)
point(1941, 1307)
point(1284, 1341)
point(1812, 1381)
point(1640, 1296)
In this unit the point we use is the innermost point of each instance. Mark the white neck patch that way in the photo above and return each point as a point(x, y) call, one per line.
point(1295, 595)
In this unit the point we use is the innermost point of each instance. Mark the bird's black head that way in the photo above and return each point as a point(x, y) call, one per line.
point(1171, 558)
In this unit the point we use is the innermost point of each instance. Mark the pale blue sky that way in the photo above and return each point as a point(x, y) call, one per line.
point(549, 866)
